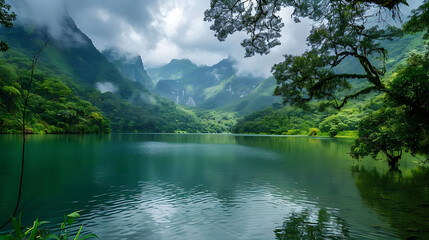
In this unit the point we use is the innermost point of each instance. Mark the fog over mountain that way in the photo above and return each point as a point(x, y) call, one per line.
point(159, 30)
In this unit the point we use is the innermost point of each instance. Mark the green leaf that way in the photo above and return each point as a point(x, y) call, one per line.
point(78, 233)
point(34, 231)
point(17, 227)
point(74, 214)
point(89, 236)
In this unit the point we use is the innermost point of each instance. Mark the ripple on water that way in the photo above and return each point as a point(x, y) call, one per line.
point(149, 189)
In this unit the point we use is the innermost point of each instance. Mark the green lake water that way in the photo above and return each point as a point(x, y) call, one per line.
point(202, 186)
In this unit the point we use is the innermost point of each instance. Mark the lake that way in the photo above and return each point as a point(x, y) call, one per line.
point(203, 186)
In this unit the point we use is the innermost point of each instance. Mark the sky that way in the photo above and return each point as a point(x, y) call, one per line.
point(159, 30)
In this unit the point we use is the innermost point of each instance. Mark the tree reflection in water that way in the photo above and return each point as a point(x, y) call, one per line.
point(401, 198)
point(309, 225)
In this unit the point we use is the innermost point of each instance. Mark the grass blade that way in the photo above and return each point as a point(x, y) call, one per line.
point(78, 233)
point(17, 227)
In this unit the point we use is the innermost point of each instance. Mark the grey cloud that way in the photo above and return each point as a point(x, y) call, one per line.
point(159, 30)
point(45, 13)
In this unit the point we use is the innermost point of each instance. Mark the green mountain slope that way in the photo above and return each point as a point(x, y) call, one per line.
point(205, 87)
point(74, 67)
point(175, 69)
point(130, 67)
point(259, 98)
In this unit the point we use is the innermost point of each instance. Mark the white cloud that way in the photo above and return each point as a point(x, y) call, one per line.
point(106, 87)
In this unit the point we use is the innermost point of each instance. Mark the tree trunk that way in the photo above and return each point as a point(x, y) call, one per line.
point(393, 162)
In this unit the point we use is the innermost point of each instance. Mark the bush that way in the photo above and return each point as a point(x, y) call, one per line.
point(293, 132)
point(313, 131)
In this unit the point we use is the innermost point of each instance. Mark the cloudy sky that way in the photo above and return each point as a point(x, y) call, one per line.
point(159, 30)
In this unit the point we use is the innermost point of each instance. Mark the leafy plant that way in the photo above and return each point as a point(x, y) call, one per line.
point(35, 232)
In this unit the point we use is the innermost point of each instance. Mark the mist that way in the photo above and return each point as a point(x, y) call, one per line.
point(160, 30)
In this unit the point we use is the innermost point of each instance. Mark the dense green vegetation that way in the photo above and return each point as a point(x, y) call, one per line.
point(52, 106)
point(317, 120)
point(77, 90)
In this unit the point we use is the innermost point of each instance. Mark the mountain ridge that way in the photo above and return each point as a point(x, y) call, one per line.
point(79, 68)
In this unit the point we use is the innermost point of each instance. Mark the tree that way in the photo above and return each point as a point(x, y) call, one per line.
point(261, 21)
point(342, 31)
point(6, 19)
point(403, 123)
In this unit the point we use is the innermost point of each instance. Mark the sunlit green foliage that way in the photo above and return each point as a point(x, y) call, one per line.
point(295, 121)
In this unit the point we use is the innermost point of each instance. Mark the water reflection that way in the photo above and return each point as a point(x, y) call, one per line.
point(310, 225)
point(400, 197)
point(185, 186)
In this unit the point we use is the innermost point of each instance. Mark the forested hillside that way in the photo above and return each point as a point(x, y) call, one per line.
point(76, 90)
point(206, 87)
point(320, 119)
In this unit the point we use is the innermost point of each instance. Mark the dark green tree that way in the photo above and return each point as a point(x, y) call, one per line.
point(6, 19)
point(403, 123)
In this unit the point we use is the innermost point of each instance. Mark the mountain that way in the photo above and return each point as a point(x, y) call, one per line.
point(211, 87)
point(75, 83)
point(175, 69)
point(130, 67)
point(260, 98)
